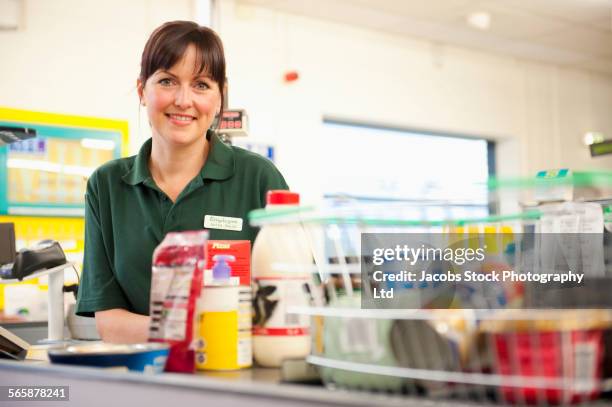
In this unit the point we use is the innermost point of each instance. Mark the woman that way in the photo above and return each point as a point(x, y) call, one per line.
point(183, 178)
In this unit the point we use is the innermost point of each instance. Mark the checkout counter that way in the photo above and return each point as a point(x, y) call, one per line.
point(250, 387)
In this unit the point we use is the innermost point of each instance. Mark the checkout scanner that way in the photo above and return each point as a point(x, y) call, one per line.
point(45, 255)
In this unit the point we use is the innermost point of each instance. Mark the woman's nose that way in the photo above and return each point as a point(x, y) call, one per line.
point(183, 98)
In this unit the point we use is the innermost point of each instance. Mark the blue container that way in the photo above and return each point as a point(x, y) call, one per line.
point(142, 357)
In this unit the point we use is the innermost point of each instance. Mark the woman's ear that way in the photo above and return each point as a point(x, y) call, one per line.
point(140, 89)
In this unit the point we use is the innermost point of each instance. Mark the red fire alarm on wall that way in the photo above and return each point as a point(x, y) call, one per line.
point(291, 76)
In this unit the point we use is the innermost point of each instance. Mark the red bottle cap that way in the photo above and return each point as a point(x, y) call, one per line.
point(282, 197)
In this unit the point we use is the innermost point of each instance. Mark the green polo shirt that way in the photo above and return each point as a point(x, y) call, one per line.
point(127, 216)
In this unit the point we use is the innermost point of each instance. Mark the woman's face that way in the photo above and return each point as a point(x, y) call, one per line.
point(181, 103)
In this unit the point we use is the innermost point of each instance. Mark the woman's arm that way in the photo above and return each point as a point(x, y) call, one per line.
point(120, 326)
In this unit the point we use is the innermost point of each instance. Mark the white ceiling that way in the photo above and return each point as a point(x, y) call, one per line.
point(576, 33)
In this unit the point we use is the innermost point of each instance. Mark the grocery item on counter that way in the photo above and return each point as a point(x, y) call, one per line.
point(141, 357)
point(606, 372)
point(568, 219)
point(498, 250)
point(563, 346)
point(240, 249)
point(299, 371)
point(281, 276)
point(444, 341)
point(592, 292)
point(357, 340)
point(607, 239)
point(176, 281)
point(223, 340)
point(81, 328)
point(240, 268)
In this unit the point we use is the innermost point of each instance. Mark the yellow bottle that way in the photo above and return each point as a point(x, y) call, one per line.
point(221, 344)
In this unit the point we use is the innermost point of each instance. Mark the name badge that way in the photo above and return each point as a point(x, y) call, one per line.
point(222, 222)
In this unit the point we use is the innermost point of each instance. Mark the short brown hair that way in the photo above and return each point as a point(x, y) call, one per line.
point(168, 43)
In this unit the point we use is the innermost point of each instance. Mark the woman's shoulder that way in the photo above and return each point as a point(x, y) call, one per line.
point(250, 165)
point(113, 169)
point(246, 159)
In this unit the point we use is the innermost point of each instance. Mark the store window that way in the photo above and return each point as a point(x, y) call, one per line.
point(443, 175)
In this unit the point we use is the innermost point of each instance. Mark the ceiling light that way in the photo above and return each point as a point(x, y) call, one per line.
point(479, 19)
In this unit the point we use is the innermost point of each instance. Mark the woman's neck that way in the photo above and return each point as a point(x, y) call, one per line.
point(172, 166)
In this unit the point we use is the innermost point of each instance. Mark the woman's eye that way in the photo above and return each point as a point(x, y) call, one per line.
point(201, 85)
point(165, 82)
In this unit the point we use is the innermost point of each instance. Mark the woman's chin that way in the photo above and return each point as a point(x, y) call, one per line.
point(182, 138)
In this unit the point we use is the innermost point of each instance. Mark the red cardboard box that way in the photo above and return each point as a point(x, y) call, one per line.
point(240, 249)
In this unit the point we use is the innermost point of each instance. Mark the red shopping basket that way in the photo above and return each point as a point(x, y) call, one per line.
point(574, 357)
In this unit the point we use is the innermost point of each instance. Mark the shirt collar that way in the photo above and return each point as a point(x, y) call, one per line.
point(140, 169)
point(219, 164)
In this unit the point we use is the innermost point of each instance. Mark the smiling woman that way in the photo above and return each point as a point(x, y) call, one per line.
point(181, 175)
point(182, 75)
point(180, 98)
point(181, 81)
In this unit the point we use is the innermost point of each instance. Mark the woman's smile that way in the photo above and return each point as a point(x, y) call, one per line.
point(180, 119)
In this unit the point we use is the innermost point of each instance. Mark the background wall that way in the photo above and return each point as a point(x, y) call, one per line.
point(537, 113)
point(82, 57)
